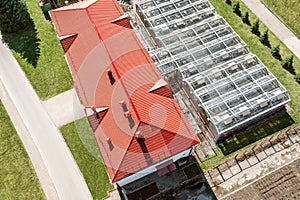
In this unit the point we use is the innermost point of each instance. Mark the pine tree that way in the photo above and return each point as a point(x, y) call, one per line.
point(255, 28)
point(264, 38)
point(236, 8)
point(245, 18)
point(275, 52)
point(13, 15)
point(287, 64)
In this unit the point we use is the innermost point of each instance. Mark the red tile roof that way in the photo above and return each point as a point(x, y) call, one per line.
point(109, 65)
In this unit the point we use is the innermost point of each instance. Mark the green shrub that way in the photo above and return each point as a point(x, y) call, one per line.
point(255, 28)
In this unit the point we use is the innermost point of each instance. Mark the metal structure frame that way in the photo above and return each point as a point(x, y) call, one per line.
point(229, 84)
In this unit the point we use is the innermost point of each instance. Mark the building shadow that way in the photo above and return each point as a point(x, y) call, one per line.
point(25, 42)
point(255, 132)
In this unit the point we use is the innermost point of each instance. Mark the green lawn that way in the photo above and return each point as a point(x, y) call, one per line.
point(248, 138)
point(281, 8)
point(17, 176)
point(80, 139)
point(38, 51)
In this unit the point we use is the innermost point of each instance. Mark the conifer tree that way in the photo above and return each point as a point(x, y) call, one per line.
point(13, 15)
point(255, 28)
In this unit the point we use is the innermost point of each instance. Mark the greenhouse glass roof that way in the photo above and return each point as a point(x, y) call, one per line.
point(231, 84)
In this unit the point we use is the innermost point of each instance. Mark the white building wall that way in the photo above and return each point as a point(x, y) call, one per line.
point(152, 168)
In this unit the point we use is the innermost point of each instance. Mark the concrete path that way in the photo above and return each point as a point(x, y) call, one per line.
point(64, 108)
point(275, 25)
point(33, 152)
point(53, 152)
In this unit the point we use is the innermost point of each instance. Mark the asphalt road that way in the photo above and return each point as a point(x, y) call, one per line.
point(58, 160)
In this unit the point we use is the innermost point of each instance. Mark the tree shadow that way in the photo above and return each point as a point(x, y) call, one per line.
point(25, 42)
point(290, 69)
point(256, 132)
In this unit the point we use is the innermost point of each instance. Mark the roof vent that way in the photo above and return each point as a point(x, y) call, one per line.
point(110, 76)
point(127, 114)
point(129, 118)
point(110, 144)
point(138, 135)
point(124, 106)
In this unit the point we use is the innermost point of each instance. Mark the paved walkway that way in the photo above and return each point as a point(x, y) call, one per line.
point(64, 108)
point(42, 139)
point(275, 25)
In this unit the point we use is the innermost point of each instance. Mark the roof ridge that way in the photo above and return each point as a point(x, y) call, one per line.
point(113, 65)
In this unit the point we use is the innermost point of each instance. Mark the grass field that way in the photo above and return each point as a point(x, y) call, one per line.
point(40, 55)
point(248, 138)
point(287, 11)
point(79, 137)
point(17, 176)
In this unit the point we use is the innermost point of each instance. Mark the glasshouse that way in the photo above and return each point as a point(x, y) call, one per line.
point(194, 45)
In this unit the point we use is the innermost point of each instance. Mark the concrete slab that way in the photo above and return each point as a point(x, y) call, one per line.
point(270, 151)
point(226, 174)
point(244, 164)
point(64, 108)
point(278, 147)
point(235, 169)
point(252, 160)
point(261, 155)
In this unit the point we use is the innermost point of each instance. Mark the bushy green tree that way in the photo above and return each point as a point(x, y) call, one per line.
point(236, 8)
point(13, 15)
point(275, 51)
point(245, 18)
point(264, 38)
point(255, 28)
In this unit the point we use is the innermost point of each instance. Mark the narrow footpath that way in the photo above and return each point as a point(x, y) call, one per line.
point(43, 141)
point(275, 25)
